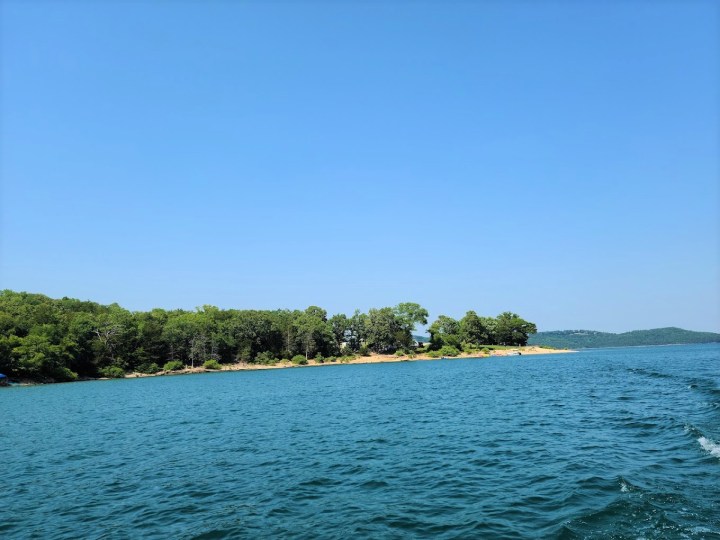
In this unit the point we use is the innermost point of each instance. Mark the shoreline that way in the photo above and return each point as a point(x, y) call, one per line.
point(373, 358)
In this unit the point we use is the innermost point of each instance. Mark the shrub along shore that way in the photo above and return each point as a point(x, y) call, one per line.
point(54, 340)
point(372, 358)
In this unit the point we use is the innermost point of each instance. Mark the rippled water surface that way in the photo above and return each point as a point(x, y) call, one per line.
point(605, 443)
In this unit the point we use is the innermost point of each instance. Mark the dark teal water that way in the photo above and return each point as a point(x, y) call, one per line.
point(616, 443)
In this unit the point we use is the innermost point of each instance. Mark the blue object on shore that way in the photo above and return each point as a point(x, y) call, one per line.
point(4, 381)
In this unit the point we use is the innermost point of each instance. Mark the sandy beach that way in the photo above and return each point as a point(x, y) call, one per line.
point(372, 359)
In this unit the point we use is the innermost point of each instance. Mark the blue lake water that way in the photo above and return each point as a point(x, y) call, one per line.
point(614, 442)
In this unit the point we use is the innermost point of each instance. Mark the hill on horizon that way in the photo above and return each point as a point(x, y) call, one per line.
point(584, 339)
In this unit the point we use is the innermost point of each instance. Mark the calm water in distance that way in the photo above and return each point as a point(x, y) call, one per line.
point(616, 443)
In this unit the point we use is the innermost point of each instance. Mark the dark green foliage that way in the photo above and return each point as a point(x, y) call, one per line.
point(212, 364)
point(510, 329)
point(476, 330)
point(173, 365)
point(148, 368)
point(63, 374)
point(46, 339)
point(314, 334)
point(385, 331)
point(448, 350)
point(445, 331)
point(582, 339)
point(112, 372)
point(266, 358)
point(299, 359)
point(356, 333)
point(472, 331)
point(340, 325)
point(40, 336)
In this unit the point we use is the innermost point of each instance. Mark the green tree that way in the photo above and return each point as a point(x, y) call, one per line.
point(357, 334)
point(475, 330)
point(385, 331)
point(44, 338)
point(510, 329)
point(445, 331)
point(81, 332)
point(313, 331)
point(410, 314)
point(114, 330)
point(340, 325)
point(37, 357)
point(284, 325)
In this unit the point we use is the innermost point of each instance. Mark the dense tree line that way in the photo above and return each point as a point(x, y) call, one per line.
point(43, 338)
point(581, 339)
point(473, 331)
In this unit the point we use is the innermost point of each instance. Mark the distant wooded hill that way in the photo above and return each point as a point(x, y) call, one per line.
point(583, 339)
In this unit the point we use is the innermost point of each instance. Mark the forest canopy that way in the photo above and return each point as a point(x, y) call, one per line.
point(583, 339)
point(62, 339)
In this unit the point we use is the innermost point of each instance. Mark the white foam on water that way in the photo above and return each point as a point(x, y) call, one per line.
point(626, 487)
point(711, 447)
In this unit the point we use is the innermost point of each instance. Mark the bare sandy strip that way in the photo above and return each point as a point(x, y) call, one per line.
point(372, 359)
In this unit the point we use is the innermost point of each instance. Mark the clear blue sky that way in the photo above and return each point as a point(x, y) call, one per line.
point(556, 159)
